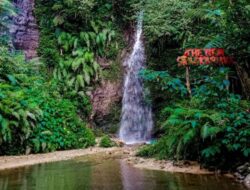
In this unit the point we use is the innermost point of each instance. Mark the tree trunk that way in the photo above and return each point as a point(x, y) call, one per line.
point(188, 81)
point(244, 79)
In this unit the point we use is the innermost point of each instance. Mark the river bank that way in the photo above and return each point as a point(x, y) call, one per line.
point(106, 170)
point(126, 153)
point(9, 162)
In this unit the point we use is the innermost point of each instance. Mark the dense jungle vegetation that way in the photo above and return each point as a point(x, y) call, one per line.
point(45, 105)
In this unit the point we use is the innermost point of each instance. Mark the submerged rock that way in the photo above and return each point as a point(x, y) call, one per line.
point(244, 169)
point(247, 181)
point(238, 176)
point(243, 174)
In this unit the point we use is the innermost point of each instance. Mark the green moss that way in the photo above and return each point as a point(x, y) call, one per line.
point(114, 72)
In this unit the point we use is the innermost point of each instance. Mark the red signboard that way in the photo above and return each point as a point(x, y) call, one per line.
point(211, 56)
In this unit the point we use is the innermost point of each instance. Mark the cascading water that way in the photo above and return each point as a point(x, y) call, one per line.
point(136, 122)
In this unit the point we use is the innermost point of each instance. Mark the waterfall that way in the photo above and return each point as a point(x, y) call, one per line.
point(136, 122)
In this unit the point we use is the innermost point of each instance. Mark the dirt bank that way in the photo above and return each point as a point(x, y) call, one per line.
point(8, 162)
point(164, 165)
point(168, 166)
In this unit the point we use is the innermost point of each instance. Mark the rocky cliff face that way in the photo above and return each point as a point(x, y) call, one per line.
point(104, 96)
point(106, 104)
point(24, 29)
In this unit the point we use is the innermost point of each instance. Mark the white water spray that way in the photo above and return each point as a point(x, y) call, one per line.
point(136, 123)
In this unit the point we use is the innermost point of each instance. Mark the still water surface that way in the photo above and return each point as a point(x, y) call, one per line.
point(106, 174)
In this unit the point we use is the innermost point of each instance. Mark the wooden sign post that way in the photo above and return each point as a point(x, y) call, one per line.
point(210, 56)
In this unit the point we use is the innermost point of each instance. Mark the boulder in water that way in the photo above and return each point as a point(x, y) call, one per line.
point(247, 181)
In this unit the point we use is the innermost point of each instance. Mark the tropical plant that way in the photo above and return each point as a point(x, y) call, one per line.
point(33, 115)
point(106, 142)
point(212, 124)
point(60, 128)
point(77, 66)
point(165, 82)
point(18, 113)
point(77, 73)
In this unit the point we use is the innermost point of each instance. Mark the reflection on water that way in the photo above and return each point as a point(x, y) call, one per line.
point(135, 179)
point(105, 174)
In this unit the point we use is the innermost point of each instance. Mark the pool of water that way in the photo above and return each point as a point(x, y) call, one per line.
point(106, 174)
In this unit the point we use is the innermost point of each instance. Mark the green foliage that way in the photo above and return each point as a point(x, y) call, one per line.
point(210, 127)
point(167, 18)
point(114, 72)
point(106, 142)
point(6, 10)
point(18, 113)
point(198, 24)
point(95, 40)
point(164, 81)
point(73, 38)
point(33, 115)
point(78, 26)
point(149, 151)
point(78, 68)
point(44, 108)
point(65, 9)
point(77, 73)
point(50, 103)
point(6, 6)
point(60, 127)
